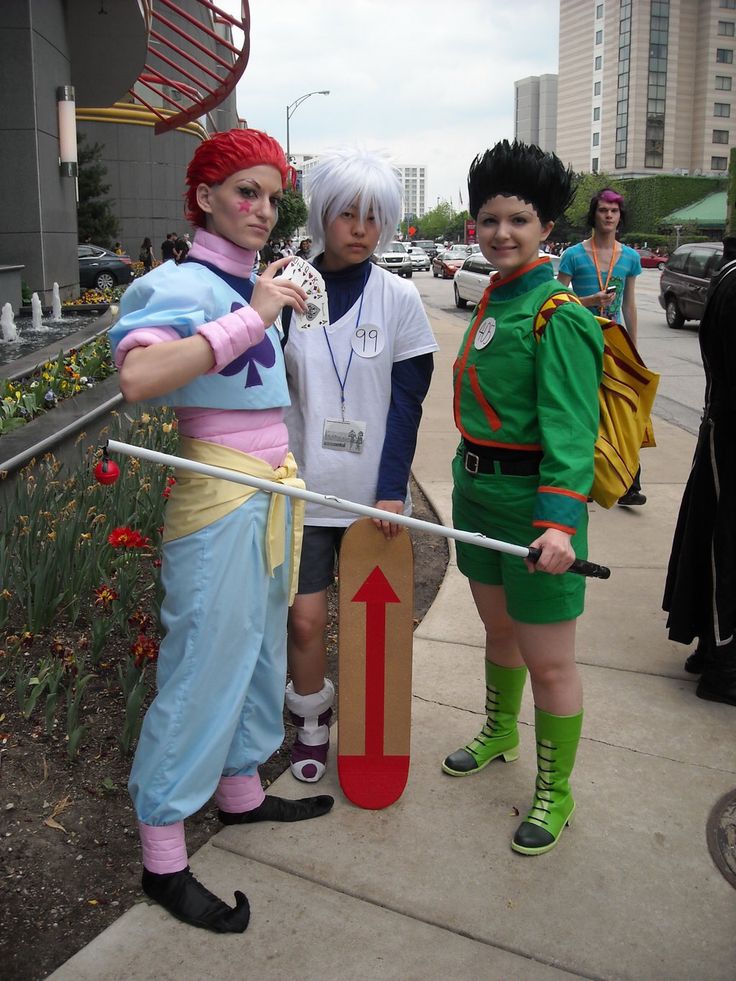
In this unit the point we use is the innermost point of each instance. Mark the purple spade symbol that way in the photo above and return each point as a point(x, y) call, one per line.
point(261, 354)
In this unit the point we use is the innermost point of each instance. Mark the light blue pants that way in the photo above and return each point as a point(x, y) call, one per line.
point(221, 667)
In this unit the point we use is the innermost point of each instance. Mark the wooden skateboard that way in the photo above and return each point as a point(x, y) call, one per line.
point(376, 613)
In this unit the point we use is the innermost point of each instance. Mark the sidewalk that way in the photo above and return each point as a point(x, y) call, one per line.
point(429, 888)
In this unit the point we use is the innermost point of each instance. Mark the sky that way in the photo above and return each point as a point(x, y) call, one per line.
point(430, 82)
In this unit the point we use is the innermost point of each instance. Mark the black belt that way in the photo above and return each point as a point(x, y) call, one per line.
point(487, 459)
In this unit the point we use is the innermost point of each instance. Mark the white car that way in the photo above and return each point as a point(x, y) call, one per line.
point(471, 280)
point(396, 259)
point(419, 258)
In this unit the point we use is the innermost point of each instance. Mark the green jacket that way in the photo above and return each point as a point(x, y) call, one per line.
point(526, 392)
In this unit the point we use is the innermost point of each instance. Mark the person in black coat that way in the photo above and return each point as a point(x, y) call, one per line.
point(700, 591)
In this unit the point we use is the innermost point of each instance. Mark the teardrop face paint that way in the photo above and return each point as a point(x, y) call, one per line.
point(243, 208)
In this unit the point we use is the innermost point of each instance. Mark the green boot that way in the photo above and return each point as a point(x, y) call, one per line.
point(499, 736)
point(553, 807)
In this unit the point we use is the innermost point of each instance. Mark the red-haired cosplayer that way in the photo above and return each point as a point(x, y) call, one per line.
point(204, 337)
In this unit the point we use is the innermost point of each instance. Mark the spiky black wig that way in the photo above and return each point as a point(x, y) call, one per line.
point(524, 171)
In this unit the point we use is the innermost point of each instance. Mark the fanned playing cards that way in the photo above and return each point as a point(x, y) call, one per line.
point(299, 271)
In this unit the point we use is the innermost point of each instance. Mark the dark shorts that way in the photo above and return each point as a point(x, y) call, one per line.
point(320, 548)
point(501, 507)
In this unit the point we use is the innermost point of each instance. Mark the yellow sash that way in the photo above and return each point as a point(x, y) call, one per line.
point(197, 500)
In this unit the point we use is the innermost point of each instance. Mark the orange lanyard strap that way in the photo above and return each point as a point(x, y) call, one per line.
point(611, 264)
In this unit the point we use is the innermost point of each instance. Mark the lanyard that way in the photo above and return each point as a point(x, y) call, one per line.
point(343, 381)
point(601, 284)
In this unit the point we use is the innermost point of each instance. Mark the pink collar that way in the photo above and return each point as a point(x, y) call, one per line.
point(222, 253)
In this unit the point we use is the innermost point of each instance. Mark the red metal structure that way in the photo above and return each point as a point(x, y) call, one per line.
point(196, 54)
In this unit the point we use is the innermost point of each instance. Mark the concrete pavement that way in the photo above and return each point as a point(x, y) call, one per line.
point(429, 888)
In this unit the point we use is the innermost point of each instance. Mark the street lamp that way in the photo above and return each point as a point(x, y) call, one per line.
point(290, 110)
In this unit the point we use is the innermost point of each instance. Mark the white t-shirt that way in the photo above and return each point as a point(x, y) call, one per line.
point(390, 326)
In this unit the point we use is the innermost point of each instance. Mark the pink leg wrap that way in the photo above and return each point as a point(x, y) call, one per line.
point(238, 794)
point(164, 848)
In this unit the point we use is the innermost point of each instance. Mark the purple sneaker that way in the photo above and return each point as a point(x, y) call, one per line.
point(311, 714)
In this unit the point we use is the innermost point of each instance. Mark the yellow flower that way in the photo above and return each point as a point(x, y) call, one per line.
point(167, 427)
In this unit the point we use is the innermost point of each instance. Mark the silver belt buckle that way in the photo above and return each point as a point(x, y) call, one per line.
point(471, 462)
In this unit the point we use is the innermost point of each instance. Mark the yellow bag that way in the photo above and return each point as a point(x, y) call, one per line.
point(625, 397)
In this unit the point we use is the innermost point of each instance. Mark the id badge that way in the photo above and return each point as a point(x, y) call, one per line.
point(343, 434)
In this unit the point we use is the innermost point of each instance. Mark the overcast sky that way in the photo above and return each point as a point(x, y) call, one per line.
point(429, 81)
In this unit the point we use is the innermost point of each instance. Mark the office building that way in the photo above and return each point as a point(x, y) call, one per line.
point(646, 86)
point(414, 183)
point(535, 110)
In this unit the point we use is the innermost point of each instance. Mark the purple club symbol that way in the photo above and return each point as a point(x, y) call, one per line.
point(261, 354)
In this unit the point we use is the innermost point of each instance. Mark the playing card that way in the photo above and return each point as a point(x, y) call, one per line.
point(309, 279)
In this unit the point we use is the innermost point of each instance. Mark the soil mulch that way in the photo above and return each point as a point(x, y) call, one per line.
point(69, 855)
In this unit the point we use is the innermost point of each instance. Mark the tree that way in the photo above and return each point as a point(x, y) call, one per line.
point(438, 222)
point(292, 214)
point(96, 220)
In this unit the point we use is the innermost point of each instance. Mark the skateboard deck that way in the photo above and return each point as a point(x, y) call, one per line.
point(376, 617)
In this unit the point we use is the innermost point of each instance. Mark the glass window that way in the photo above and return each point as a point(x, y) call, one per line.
point(661, 8)
point(724, 82)
point(697, 261)
point(721, 109)
point(596, 112)
point(599, 37)
point(729, 4)
point(620, 161)
point(594, 165)
point(597, 88)
point(724, 56)
point(726, 28)
point(598, 11)
point(718, 163)
point(598, 63)
point(720, 136)
point(596, 139)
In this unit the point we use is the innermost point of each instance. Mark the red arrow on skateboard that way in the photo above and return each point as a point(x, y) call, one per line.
point(374, 780)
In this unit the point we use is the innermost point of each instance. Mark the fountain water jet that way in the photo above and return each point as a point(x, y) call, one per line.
point(55, 303)
point(36, 313)
point(7, 323)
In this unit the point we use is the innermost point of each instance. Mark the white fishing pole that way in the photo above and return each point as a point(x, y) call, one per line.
point(272, 487)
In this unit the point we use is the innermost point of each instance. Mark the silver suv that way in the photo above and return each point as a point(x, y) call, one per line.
point(685, 279)
point(396, 259)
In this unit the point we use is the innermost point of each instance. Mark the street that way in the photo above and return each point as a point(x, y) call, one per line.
point(675, 354)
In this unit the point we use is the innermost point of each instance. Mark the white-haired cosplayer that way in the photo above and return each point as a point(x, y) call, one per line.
point(356, 391)
point(345, 176)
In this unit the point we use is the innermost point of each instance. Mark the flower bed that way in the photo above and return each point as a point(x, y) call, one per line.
point(80, 590)
point(23, 399)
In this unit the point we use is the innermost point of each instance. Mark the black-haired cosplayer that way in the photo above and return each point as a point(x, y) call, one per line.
point(526, 405)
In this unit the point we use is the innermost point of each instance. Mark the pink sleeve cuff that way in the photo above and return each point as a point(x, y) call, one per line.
point(142, 337)
point(231, 335)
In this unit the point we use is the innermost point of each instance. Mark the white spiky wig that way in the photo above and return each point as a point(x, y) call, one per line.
point(344, 174)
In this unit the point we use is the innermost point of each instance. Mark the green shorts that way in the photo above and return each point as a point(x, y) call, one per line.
point(501, 506)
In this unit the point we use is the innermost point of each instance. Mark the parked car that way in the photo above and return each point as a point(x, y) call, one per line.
point(445, 264)
point(471, 280)
point(685, 279)
point(102, 268)
point(419, 258)
point(651, 260)
point(395, 258)
point(430, 247)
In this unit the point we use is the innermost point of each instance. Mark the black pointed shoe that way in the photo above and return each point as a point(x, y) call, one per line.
point(189, 901)
point(281, 809)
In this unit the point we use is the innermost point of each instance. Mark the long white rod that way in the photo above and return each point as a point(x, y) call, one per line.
point(168, 460)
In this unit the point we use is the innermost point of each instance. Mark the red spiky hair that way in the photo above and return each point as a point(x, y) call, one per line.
point(224, 154)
